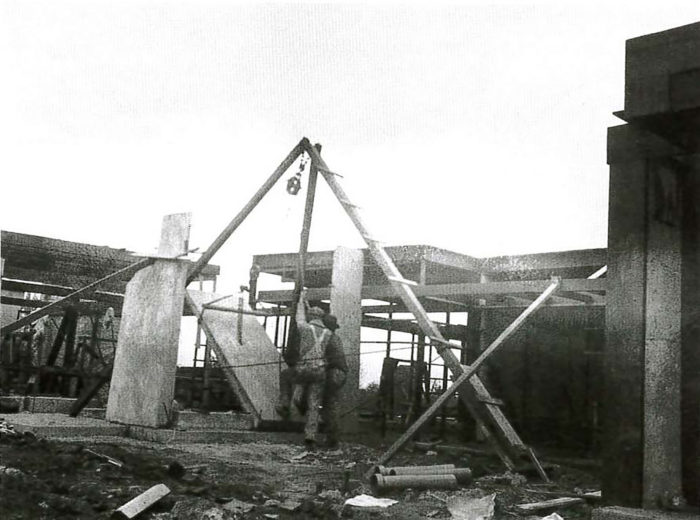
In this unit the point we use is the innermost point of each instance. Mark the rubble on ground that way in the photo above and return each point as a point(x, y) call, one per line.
point(90, 478)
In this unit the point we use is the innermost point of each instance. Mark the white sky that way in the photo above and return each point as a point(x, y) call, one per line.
point(479, 127)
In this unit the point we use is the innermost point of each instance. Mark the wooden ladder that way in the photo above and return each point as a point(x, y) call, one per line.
point(485, 409)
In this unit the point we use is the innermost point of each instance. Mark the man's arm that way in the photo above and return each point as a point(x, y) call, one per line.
point(301, 308)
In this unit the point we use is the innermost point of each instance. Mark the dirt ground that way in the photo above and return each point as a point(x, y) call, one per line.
point(45, 479)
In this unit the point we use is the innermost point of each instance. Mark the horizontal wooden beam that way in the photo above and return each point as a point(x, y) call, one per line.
point(62, 262)
point(453, 291)
point(83, 307)
point(450, 331)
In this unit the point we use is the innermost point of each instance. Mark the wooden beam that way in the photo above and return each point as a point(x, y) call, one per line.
point(58, 290)
point(380, 292)
point(199, 265)
point(448, 330)
point(36, 258)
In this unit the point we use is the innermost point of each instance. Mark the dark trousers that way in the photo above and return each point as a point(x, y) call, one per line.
point(311, 381)
point(335, 379)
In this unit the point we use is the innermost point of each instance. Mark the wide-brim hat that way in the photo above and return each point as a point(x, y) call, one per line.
point(331, 322)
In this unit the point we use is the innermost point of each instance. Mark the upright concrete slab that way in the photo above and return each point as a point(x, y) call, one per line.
point(252, 364)
point(346, 288)
point(690, 361)
point(143, 381)
point(642, 360)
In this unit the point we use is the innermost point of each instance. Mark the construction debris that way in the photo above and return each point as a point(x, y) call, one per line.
point(370, 501)
point(554, 503)
point(381, 482)
point(138, 505)
point(105, 458)
point(465, 508)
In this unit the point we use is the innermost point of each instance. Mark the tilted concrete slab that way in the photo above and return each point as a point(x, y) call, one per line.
point(251, 365)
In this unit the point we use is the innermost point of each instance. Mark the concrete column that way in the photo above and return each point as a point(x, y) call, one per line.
point(346, 289)
point(143, 381)
point(642, 459)
point(690, 355)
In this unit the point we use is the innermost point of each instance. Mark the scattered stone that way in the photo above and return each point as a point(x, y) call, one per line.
point(331, 494)
point(464, 508)
point(433, 513)
point(238, 506)
point(290, 505)
point(200, 509)
point(431, 453)
point(272, 503)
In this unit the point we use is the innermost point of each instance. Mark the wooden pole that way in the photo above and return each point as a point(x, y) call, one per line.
point(241, 216)
point(469, 372)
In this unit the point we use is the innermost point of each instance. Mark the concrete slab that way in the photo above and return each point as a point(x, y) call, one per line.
point(626, 513)
point(11, 403)
point(55, 425)
point(169, 436)
point(346, 289)
point(188, 420)
point(247, 356)
point(143, 381)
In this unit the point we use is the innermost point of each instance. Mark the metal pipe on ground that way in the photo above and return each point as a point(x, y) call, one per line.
point(414, 470)
point(463, 475)
point(381, 482)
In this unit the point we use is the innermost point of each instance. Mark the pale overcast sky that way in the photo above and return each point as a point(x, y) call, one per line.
point(479, 127)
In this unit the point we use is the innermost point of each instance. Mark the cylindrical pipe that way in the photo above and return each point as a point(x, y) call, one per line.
point(422, 470)
point(463, 475)
point(413, 470)
point(381, 482)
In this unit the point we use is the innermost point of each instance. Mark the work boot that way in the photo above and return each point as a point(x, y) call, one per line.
point(310, 444)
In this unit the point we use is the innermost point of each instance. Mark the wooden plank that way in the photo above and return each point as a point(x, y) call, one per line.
point(448, 330)
point(554, 503)
point(138, 505)
point(40, 258)
point(143, 380)
point(252, 366)
point(449, 290)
